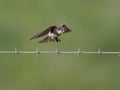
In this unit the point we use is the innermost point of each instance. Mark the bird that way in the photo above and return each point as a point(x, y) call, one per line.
point(53, 32)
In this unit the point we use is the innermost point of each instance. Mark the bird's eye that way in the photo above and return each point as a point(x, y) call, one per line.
point(59, 28)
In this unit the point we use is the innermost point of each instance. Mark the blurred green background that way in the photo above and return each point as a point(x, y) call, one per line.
point(94, 23)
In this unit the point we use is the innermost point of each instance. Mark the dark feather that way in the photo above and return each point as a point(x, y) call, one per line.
point(44, 32)
point(47, 39)
point(66, 28)
point(44, 40)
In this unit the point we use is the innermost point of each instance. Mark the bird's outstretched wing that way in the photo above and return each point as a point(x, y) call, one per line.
point(44, 32)
point(66, 28)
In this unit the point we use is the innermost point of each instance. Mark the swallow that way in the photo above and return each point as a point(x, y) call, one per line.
point(53, 33)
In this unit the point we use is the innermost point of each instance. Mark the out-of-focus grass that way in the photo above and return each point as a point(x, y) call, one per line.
point(94, 24)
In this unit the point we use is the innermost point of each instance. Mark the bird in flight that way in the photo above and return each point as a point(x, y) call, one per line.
point(53, 33)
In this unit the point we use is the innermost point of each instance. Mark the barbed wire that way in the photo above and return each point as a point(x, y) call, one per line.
point(78, 52)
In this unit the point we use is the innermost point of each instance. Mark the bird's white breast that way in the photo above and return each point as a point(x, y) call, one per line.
point(52, 35)
point(59, 31)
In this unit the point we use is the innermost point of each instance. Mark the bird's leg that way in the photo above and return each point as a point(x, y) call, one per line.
point(57, 39)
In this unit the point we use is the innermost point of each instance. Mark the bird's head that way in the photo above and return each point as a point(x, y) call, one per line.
point(60, 30)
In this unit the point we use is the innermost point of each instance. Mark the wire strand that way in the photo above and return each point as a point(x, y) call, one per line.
point(78, 52)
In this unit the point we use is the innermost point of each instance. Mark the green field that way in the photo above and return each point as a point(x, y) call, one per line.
point(94, 24)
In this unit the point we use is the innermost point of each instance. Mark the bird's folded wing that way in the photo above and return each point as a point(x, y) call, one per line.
point(44, 32)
